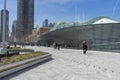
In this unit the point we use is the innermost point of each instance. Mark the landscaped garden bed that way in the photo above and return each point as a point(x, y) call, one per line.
point(10, 51)
point(18, 49)
point(15, 58)
point(11, 64)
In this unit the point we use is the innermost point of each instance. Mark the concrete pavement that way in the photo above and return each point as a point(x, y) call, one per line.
point(71, 64)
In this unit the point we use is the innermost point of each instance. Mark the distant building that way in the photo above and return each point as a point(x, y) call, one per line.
point(42, 30)
point(36, 32)
point(14, 25)
point(51, 25)
point(13, 33)
point(33, 37)
point(101, 33)
point(6, 25)
point(45, 23)
point(25, 18)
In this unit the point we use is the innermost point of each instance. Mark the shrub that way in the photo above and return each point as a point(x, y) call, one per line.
point(14, 58)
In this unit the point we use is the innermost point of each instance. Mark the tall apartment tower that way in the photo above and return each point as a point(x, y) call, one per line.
point(45, 23)
point(6, 25)
point(14, 27)
point(25, 18)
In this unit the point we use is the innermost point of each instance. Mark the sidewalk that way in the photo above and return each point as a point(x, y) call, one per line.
point(71, 64)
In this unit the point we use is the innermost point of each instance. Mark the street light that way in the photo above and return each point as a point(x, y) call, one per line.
point(15, 36)
point(3, 33)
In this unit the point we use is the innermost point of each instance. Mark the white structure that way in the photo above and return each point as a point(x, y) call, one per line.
point(105, 20)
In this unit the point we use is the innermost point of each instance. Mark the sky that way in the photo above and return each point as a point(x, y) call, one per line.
point(67, 10)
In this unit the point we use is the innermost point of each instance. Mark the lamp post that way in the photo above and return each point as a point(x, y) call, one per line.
point(3, 33)
point(15, 36)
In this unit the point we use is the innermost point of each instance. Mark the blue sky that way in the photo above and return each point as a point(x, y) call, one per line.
point(59, 10)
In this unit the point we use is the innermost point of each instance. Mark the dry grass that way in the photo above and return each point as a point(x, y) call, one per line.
point(15, 58)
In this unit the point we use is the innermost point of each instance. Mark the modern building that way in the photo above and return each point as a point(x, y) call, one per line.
point(45, 23)
point(100, 33)
point(14, 25)
point(6, 25)
point(25, 18)
point(36, 32)
point(13, 33)
point(41, 30)
point(51, 25)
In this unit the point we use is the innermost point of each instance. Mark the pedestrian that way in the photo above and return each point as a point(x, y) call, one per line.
point(23, 45)
point(85, 47)
point(58, 45)
point(14, 44)
point(55, 45)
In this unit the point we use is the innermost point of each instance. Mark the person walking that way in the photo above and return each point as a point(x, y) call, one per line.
point(85, 47)
point(58, 45)
point(55, 45)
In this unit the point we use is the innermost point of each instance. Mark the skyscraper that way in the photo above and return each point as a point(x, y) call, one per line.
point(14, 27)
point(45, 23)
point(25, 17)
point(13, 33)
point(6, 25)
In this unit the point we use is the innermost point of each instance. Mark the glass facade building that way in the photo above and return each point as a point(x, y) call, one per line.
point(25, 17)
point(6, 26)
point(99, 36)
point(14, 25)
point(45, 23)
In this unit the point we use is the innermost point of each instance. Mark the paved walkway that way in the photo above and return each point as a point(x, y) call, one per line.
point(71, 64)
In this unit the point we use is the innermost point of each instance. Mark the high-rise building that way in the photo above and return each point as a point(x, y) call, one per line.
point(25, 17)
point(45, 23)
point(14, 27)
point(13, 33)
point(51, 25)
point(6, 25)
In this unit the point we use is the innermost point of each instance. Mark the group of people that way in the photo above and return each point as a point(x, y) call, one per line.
point(57, 45)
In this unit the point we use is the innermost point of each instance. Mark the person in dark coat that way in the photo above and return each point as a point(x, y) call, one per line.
point(58, 45)
point(85, 47)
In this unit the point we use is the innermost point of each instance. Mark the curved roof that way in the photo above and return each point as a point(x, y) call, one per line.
point(61, 24)
point(97, 20)
point(101, 19)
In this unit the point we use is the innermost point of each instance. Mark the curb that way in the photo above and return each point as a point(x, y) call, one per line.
point(14, 67)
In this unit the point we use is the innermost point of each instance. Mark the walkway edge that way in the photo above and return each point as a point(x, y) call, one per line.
point(14, 67)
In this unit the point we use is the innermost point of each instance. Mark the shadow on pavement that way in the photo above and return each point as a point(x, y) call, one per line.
point(24, 70)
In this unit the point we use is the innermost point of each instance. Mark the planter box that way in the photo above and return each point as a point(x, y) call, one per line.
point(9, 51)
point(24, 50)
point(14, 67)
